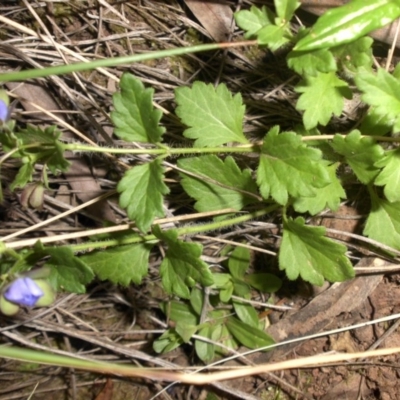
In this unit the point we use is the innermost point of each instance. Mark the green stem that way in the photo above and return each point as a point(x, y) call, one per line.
point(113, 62)
point(187, 230)
point(162, 151)
point(21, 148)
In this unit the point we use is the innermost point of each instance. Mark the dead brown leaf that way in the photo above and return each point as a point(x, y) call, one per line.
point(215, 17)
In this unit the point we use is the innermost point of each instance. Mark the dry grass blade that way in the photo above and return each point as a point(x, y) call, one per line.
point(205, 378)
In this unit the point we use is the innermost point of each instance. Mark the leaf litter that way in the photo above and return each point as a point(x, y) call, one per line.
point(123, 322)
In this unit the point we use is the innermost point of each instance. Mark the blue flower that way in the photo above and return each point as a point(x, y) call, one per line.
point(3, 111)
point(23, 291)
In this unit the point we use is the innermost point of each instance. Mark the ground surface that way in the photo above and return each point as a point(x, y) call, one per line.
point(119, 324)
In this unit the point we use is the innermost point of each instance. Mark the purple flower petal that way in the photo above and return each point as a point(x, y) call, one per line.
point(3, 111)
point(23, 291)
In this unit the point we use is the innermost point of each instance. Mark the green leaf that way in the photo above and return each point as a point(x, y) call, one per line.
point(310, 63)
point(55, 160)
point(134, 117)
point(270, 31)
point(168, 341)
point(328, 196)
point(239, 262)
point(322, 97)
point(396, 71)
point(197, 300)
point(227, 340)
point(254, 19)
point(306, 252)
point(225, 284)
point(212, 396)
point(68, 272)
point(206, 351)
point(376, 124)
point(361, 154)
point(142, 189)
point(178, 311)
point(23, 177)
point(383, 222)
point(289, 167)
point(182, 264)
point(214, 116)
point(185, 331)
point(286, 8)
point(240, 287)
point(219, 183)
point(381, 90)
point(356, 55)
point(390, 175)
point(246, 313)
point(35, 135)
point(273, 36)
point(225, 294)
point(264, 282)
point(349, 22)
point(251, 337)
point(221, 280)
point(50, 150)
point(121, 265)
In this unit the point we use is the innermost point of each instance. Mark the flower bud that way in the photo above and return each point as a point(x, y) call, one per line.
point(33, 196)
point(48, 293)
point(24, 292)
point(8, 308)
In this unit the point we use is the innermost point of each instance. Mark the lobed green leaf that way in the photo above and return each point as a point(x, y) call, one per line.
point(254, 19)
point(383, 222)
point(217, 183)
point(67, 271)
point(121, 265)
point(361, 153)
point(355, 56)
point(306, 252)
point(214, 116)
point(328, 196)
point(382, 91)
point(312, 62)
point(288, 167)
point(134, 117)
point(274, 36)
point(142, 190)
point(182, 266)
point(322, 96)
point(286, 8)
point(389, 177)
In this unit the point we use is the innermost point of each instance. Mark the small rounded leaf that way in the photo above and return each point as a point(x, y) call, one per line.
point(24, 292)
point(48, 294)
point(8, 308)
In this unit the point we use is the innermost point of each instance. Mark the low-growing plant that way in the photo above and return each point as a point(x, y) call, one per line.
point(297, 173)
